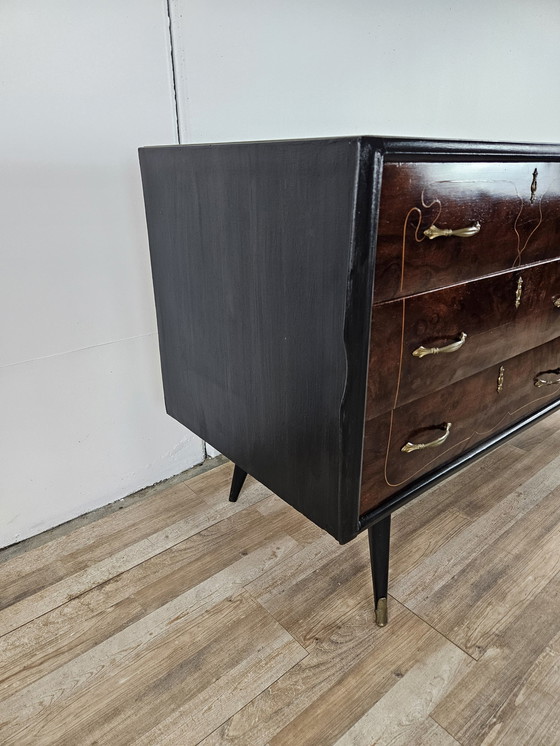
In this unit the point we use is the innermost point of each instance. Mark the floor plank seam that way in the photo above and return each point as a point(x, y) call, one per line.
point(259, 694)
point(108, 580)
point(271, 615)
point(335, 622)
point(439, 632)
point(431, 717)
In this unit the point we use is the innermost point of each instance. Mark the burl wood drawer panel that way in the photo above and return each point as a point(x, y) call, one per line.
point(475, 408)
point(503, 215)
point(426, 342)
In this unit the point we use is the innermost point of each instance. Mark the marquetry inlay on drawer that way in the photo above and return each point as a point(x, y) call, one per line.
point(445, 223)
point(412, 440)
point(426, 342)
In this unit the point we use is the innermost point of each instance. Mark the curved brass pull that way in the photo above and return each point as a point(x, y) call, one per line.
point(556, 303)
point(543, 382)
point(435, 232)
point(453, 347)
point(408, 447)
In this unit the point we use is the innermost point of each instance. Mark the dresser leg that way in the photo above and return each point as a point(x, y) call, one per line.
point(236, 483)
point(379, 535)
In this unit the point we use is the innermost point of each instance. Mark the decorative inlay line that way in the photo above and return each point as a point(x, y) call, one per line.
point(418, 240)
point(520, 250)
point(436, 201)
point(403, 317)
point(453, 447)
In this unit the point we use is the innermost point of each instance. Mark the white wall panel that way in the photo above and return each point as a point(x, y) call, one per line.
point(82, 421)
point(483, 69)
point(82, 85)
point(82, 429)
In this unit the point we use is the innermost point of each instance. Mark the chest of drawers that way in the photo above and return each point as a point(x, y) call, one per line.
point(350, 320)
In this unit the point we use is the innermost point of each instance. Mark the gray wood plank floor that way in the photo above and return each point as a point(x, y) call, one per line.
point(181, 618)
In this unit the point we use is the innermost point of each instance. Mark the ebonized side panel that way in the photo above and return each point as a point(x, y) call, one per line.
point(250, 247)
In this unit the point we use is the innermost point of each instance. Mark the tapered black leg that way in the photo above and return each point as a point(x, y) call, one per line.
point(379, 535)
point(236, 483)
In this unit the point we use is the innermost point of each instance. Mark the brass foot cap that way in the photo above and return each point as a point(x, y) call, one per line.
point(381, 612)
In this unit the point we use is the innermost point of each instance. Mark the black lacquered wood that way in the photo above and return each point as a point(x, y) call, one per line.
point(356, 338)
point(379, 538)
point(421, 149)
point(251, 247)
point(237, 482)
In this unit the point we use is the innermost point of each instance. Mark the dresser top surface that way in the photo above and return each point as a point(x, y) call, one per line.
point(409, 146)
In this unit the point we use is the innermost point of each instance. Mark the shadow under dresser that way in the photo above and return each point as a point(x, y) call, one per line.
point(350, 320)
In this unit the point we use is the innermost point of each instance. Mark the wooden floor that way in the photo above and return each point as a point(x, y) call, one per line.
point(185, 619)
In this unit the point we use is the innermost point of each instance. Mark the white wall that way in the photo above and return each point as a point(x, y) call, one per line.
point(478, 69)
point(82, 422)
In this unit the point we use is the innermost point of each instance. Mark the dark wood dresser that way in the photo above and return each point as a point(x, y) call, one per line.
point(350, 320)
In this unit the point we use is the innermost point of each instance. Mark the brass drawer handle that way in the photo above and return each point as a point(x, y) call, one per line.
point(556, 303)
point(409, 447)
point(543, 382)
point(435, 232)
point(453, 347)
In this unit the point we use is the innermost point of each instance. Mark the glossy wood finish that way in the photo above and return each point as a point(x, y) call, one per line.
point(473, 406)
point(514, 230)
point(483, 309)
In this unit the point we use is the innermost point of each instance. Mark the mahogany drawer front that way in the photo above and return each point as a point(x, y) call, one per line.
point(501, 316)
point(475, 409)
point(517, 210)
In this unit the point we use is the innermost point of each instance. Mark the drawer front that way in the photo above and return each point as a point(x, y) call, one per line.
point(476, 408)
point(427, 342)
point(504, 215)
